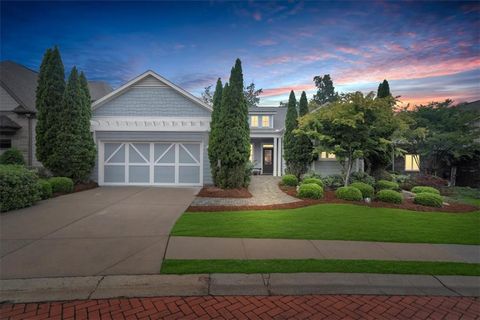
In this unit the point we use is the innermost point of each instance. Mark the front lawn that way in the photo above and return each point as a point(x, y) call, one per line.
point(343, 266)
point(335, 222)
point(466, 195)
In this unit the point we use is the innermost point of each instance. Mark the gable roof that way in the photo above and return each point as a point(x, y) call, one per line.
point(146, 74)
point(21, 83)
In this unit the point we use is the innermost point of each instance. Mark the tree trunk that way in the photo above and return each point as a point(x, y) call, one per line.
point(349, 169)
point(453, 176)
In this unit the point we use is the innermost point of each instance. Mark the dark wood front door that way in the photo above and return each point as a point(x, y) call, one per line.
point(267, 161)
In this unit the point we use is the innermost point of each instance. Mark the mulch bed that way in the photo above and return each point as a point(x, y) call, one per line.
point(329, 197)
point(214, 192)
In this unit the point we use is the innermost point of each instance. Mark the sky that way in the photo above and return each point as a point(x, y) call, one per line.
point(428, 51)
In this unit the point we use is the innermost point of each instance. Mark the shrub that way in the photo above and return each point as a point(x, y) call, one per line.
point(61, 184)
point(12, 156)
point(313, 180)
point(387, 185)
point(334, 181)
point(310, 190)
point(422, 189)
point(289, 180)
point(18, 187)
point(312, 174)
point(428, 199)
point(382, 174)
point(400, 178)
point(366, 189)
point(362, 177)
point(391, 196)
point(45, 189)
point(430, 181)
point(349, 193)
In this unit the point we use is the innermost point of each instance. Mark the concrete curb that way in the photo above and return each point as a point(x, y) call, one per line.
point(79, 288)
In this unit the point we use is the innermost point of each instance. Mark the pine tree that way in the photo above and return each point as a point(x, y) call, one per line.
point(304, 146)
point(383, 89)
point(326, 90)
point(290, 125)
point(50, 88)
point(303, 107)
point(214, 143)
point(234, 133)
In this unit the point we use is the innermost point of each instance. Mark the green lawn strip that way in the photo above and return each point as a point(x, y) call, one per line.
point(335, 222)
point(466, 195)
point(342, 266)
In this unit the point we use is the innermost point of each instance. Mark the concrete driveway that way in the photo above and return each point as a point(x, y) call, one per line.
point(107, 230)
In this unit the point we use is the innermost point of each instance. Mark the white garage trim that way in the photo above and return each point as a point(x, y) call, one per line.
point(149, 161)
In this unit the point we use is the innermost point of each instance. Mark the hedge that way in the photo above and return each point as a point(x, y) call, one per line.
point(45, 189)
point(61, 184)
point(366, 189)
point(12, 156)
point(289, 180)
point(422, 189)
point(18, 187)
point(310, 190)
point(391, 196)
point(428, 199)
point(387, 185)
point(349, 193)
point(313, 180)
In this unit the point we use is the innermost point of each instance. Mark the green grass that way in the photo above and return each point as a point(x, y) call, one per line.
point(343, 266)
point(335, 222)
point(466, 195)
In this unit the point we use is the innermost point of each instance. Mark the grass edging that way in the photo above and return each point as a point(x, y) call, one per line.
point(172, 266)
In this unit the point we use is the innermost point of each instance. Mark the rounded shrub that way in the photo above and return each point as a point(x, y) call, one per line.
point(310, 190)
point(362, 177)
point(61, 184)
point(334, 181)
point(12, 156)
point(391, 196)
point(423, 189)
point(349, 193)
point(18, 187)
point(366, 189)
point(428, 199)
point(289, 180)
point(387, 185)
point(313, 180)
point(45, 189)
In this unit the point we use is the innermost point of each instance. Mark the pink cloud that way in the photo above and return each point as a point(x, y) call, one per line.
point(348, 50)
point(257, 16)
point(285, 90)
point(266, 42)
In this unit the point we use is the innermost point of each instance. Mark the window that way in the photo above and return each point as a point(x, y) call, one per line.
point(251, 153)
point(5, 144)
point(266, 121)
point(254, 121)
point(327, 155)
point(412, 162)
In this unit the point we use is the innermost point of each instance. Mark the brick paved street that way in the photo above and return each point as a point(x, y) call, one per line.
point(251, 307)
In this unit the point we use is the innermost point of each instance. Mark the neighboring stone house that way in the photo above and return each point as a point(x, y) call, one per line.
point(152, 132)
point(18, 85)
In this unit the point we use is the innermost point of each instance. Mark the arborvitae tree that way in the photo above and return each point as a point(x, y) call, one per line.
point(303, 107)
point(326, 90)
point(304, 146)
point(50, 88)
point(214, 141)
point(383, 89)
point(235, 133)
point(289, 137)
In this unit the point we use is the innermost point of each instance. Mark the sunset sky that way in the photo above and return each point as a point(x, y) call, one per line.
point(428, 51)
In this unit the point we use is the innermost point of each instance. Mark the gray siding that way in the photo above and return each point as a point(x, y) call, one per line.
point(158, 136)
point(151, 102)
point(327, 167)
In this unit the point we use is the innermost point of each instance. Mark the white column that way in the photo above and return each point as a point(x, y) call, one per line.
point(275, 158)
point(279, 157)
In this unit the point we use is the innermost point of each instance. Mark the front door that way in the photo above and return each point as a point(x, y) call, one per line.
point(267, 160)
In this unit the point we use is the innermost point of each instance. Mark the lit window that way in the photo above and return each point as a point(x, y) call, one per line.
point(254, 121)
point(251, 153)
point(412, 162)
point(327, 155)
point(266, 121)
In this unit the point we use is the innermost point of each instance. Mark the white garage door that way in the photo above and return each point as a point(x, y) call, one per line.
point(151, 163)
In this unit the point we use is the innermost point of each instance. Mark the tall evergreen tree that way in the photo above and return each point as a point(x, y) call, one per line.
point(49, 93)
point(383, 89)
point(326, 90)
point(214, 141)
point(304, 146)
point(235, 133)
point(303, 106)
point(289, 137)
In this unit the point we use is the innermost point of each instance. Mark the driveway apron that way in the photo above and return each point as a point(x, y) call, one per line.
point(107, 230)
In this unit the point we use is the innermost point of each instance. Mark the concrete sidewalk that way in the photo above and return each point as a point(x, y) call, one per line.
point(102, 287)
point(241, 248)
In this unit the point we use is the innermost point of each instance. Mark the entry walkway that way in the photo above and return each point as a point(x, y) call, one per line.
point(264, 190)
point(243, 248)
